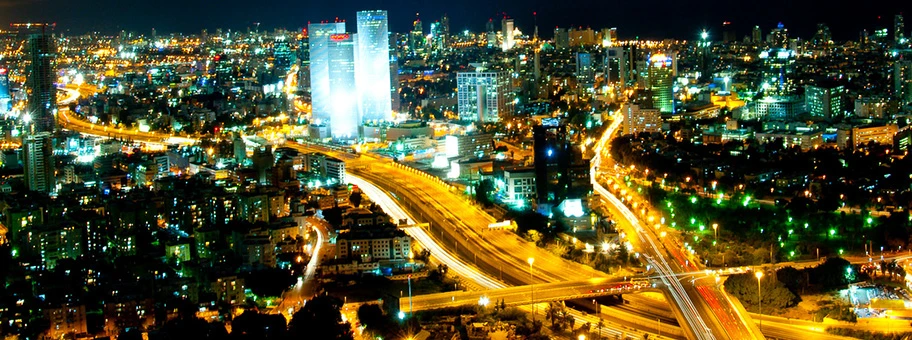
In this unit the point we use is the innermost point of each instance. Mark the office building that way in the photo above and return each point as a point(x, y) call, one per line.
point(5, 100)
point(878, 134)
point(38, 160)
point(330, 169)
point(585, 70)
point(484, 96)
point(779, 108)
point(704, 45)
point(778, 37)
point(824, 101)
point(367, 246)
point(637, 120)
point(902, 81)
point(507, 30)
point(617, 65)
point(660, 74)
point(42, 95)
point(395, 101)
point(372, 71)
point(872, 107)
point(778, 68)
point(581, 37)
point(519, 185)
point(320, 65)
point(728, 33)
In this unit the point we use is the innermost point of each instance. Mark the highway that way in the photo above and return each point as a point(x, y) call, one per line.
point(706, 310)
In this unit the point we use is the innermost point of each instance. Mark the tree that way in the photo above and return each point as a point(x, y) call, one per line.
point(371, 316)
point(483, 192)
point(253, 325)
point(832, 273)
point(774, 293)
point(355, 199)
point(320, 319)
point(333, 216)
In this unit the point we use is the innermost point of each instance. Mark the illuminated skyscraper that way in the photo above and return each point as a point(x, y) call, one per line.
point(706, 57)
point(283, 56)
point(38, 161)
point(778, 37)
point(319, 38)
point(661, 82)
point(345, 114)
point(372, 71)
point(394, 74)
point(507, 28)
point(42, 95)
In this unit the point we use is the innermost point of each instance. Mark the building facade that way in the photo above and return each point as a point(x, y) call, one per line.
point(484, 96)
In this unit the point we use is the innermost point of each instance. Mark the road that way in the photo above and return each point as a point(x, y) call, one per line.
point(296, 296)
point(705, 310)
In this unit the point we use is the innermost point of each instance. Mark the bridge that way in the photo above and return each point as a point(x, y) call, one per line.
point(525, 295)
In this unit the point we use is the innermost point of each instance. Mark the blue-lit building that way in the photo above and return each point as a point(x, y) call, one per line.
point(372, 70)
point(345, 115)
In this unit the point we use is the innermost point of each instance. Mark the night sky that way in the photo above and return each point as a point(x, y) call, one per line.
point(646, 19)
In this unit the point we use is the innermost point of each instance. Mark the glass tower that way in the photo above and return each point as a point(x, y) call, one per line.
point(344, 112)
point(319, 38)
point(372, 69)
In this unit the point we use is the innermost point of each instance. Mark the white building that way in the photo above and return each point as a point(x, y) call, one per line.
point(638, 120)
point(319, 37)
point(484, 96)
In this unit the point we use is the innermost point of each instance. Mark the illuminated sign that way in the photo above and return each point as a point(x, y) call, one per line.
point(339, 37)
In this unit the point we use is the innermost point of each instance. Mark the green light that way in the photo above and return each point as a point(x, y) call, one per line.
point(791, 231)
point(696, 238)
point(781, 244)
point(832, 232)
point(702, 227)
point(870, 220)
point(674, 224)
point(714, 242)
point(668, 204)
point(718, 201)
point(840, 251)
point(805, 226)
point(693, 199)
point(790, 219)
point(693, 221)
point(792, 253)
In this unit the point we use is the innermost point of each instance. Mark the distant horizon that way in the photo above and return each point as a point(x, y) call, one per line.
point(647, 20)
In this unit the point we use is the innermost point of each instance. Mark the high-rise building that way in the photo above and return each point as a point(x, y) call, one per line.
point(561, 38)
point(345, 114)
point(490, 34)
point(899, 29)
point(4, 90)
point(38, 160)
point(283, 56)
point(902, 81)
point(560, 170)
point(728, 33)
point(319, 39)
point(484, 96)
point(638, 120)
point(416, 37)
point(660, 74)
point(581, 37)
point(616, 63)
point(823, 37)
point(824, 101)
point(777, 72)
point(304, 61)
point(394, 74)
point(506, 26)
point(757, 35)
point(372, 71)
point(585, 70)
point(704, 45)
point(42, 95)
point(778, 37)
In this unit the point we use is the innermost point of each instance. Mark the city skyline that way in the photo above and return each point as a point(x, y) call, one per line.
point(665, 20)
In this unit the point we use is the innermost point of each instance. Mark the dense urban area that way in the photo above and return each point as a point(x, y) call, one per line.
point(343, 181)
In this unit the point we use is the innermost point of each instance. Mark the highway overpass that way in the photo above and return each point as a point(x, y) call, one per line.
point(524, 295)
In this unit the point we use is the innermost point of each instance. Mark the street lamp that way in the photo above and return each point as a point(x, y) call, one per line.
point(715, 231)
point(759, 275)
point(531, 260)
